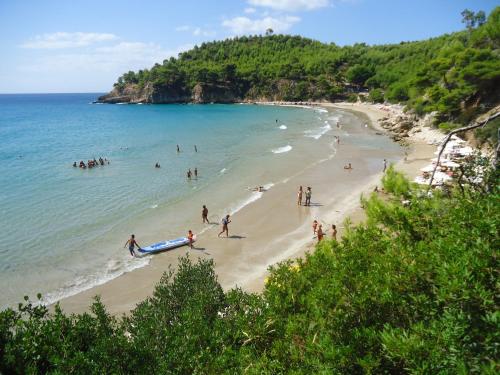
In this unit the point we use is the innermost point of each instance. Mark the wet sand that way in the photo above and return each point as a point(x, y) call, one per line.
point(273, 228)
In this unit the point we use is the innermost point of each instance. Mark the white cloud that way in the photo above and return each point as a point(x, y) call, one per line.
point(250, 10)
point(290, 5)
point(67, 40)
point(245, 25)
point(182, 28)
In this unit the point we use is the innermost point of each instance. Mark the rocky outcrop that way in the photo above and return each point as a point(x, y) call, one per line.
point(164, 94)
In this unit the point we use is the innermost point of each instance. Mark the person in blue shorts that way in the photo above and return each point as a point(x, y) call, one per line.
point(131, 244)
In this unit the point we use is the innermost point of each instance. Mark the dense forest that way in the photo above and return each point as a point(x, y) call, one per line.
point(413, 291)
point(456, 75)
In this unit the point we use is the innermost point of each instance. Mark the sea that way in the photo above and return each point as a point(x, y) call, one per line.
point(63, 228)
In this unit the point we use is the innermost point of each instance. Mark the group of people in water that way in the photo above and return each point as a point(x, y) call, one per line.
point(91, 163)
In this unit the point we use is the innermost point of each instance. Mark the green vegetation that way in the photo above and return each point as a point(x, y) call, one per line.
point(456, 75)
point(414, 290)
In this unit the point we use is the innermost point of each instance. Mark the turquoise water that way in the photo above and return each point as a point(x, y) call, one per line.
point(63, 228)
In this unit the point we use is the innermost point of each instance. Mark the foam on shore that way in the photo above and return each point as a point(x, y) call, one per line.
point(281, 150)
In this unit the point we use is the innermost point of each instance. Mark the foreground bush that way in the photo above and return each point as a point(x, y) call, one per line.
point(414, 290)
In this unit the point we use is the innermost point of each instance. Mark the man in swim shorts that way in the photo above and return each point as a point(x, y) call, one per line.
point(131, 244)
point(204, 215)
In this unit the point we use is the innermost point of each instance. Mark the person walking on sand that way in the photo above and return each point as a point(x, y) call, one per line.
point(308, 196)
point(204, 215)
point(299, 196)
point(131, 242)
point(319, 232)
point(385, 165)
point(315, 227)
point(225, 223)
point(190, 237)
point(334, 232)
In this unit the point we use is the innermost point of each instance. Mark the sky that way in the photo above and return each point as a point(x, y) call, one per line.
point(57, 46)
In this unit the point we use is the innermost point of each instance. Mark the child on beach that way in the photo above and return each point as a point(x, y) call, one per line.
point(131, 242)
point(190, 238)
point(334, 232)
point(315, 226)
point(320, 233)
point(299, 196)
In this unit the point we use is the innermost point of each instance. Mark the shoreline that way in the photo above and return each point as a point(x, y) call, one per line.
point(237, 261)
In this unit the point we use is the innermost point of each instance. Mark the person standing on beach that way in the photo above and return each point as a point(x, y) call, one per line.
point(190, 237)
point(320, 233)
point(131, 242)
point(308, 196)
point(299, 196)
point(315, 227)
point(204, 215)
point(334, 232)
point(385, 165)
point(225, 228)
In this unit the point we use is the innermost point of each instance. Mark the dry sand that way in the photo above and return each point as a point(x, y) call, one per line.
point(270, 230)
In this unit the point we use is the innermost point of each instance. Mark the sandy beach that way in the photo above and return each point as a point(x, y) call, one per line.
point(273, 228)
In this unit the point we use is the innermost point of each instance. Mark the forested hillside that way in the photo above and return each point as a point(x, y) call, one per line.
point(457, 75)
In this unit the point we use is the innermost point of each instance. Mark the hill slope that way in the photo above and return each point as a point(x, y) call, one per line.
point(457, 75)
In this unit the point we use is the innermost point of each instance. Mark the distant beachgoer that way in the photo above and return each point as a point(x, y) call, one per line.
point(131, 244)
point(385, 165)
point(338, 140)
point(225, 228)
point(308, 196)
point(178, 148)
point(189, 173)
point(196, 173)
point(320, 233)
point(190, 237)
point(257, 188)
point(157, 165)
point(276, 120)
point(74, 164)
point(376, 189)
point(204, 215)
point(334, 232)
point(349, 166)
point(299, 196)
point(315, 226)
point(195, 148)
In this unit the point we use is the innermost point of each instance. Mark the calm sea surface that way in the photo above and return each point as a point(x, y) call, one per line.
point(63, 228)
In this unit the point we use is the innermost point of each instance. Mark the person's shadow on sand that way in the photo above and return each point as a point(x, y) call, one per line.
point(234, 236)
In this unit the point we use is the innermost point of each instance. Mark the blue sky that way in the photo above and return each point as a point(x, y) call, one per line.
point(83, 46)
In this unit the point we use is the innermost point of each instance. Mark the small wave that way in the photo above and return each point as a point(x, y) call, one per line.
point(114, 268)
point(283, 127)
point(153, 206)
point(254, 196)
point(223, 170)
point(321, 110)
point(281, 150)
point(318, 133)
point(122, 103)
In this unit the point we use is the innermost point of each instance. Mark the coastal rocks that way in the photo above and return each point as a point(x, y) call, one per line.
point(206, 93)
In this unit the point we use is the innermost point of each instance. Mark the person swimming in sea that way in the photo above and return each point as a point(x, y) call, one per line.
point(157, 165)
point(74, 164)
point(131, 242)
point(178, 149)
point(189, 174)
point(195, 148)
point(196, 173)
